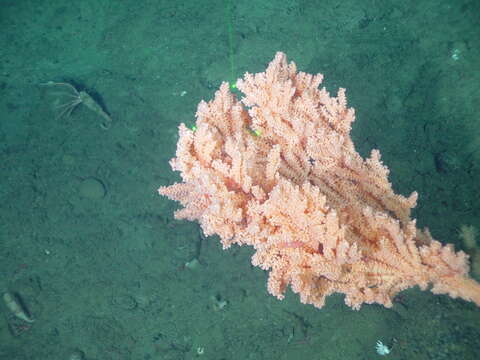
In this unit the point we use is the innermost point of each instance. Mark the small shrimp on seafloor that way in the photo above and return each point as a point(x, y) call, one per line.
point(75, 98)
